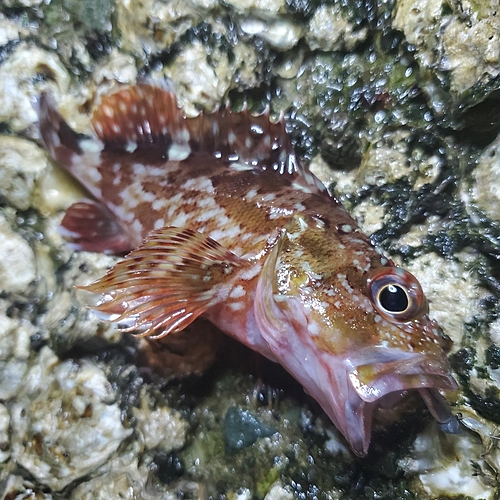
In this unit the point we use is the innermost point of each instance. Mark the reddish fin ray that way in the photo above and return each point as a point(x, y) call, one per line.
point(143, 117)
point(164, 285)
point(89, 226)
point(62, 142)
point(146, 117)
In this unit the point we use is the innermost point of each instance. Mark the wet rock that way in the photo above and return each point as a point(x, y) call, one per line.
point(330, 30)
point(24, 75)
point(445, 466)
point(462, 40)
point(65, 423)
point(148, 27)
point(271, 6)
point(160, 428)
point(17, 261)
point(242, 429)
point(485, 191)
point(279, 492)
point(20, 488)
point(9, 30)
point(124, 477)
point(205, 75)
point(22, 164)
point(452, 292)
point(280, 33)
point(4, 434)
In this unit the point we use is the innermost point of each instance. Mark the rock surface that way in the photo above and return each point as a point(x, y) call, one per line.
point(395, 103)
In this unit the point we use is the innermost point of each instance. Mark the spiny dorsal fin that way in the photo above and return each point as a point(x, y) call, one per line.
point(143, 116)
point(164, 285)
point(146, 116)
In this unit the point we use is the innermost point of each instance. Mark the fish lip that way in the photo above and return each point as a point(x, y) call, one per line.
point(417, 372)
point(374, 381)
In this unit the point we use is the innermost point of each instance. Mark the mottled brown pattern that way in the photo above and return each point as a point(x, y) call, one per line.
point(224, 221)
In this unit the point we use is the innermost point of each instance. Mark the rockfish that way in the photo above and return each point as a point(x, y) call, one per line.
point(223, 220)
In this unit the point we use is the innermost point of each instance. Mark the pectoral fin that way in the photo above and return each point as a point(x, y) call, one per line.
point(164, 285)
point(89, 226)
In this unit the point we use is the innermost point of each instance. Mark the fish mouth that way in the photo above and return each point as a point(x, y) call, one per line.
point(385, 383)
point(410, 372)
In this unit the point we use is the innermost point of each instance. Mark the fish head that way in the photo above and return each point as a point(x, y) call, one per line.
point(356, 336)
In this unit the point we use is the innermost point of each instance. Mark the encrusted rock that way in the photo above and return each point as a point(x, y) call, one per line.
point(22, 164)
point(17, 261)
point(20, 82)
point(65, 421)
point(330, 30)
point(451, 289)
point(486, 189)
point(4, 433)
point(464, 41)
point(160, 428)
point(445, 464)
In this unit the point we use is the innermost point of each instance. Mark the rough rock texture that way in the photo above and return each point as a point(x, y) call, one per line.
point(396, 105)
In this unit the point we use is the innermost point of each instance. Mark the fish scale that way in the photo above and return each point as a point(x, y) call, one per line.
point(222, 220)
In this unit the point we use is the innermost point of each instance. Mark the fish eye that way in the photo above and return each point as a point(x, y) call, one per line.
point(396, 294)
point(393, 298)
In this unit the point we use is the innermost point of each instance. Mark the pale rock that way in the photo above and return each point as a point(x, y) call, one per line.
point(9, 30)
point(65, 421)
point(464, 42)
point(22, 165)
point(160, 428)
point(451, 289)
point(279, 492)
point(485, 191)
point(17, 261)
point(329, 30)
point(4, 433)
point(263, 6)
point(19, 84)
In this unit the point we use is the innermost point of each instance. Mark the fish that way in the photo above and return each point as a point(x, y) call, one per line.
point(222, 220)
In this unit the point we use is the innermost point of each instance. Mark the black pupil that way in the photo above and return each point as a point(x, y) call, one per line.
point(393, 299)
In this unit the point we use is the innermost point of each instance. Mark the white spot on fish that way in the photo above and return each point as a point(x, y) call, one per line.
point(94, 175)
point(251, 272)
point(300, 187)
point(210, 214)
point(181, 219)
point(241, 167)
point(98, 128)
point(251, 194)
point(313, 328)
point(139, 169)
point(199, 184)
point(231, 232)
point(178, 152)
point(237, 306)
point(137, 226)
point(159, 223)
point(131, 146)
point(159, 203)
point(55, 139)
point(108, 111)
point(269, 197)
point(237, 292)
